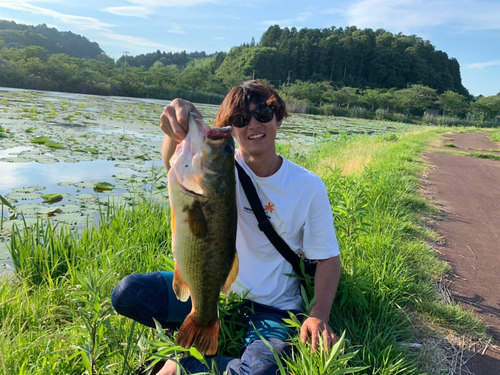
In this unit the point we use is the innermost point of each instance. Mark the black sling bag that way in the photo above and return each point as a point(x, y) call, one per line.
point(266, 227)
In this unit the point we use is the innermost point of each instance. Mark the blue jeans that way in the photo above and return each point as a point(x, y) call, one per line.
point(143, 297)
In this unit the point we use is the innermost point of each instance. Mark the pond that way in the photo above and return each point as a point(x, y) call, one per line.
point(61, 145)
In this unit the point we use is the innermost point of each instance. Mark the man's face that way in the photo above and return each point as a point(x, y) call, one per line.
point(257, 138)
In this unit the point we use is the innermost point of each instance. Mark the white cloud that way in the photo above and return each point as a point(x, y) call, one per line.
point(277, 22)
point(129, 11)
point(130, 41)
point(81, 23)
point(483, 64)
point(409, 16)
point(171, 3)
point(300, 17)
point(219, 37)
point(176, 29)
point(303, 16)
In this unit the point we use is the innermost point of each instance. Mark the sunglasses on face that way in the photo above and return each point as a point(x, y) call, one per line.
point(263, 115)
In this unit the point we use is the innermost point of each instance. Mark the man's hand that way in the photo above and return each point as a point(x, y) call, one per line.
point(175, 119)
point(175, 125)
point(317, 329)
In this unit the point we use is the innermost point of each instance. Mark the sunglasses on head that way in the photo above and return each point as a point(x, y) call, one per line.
point(262, 114)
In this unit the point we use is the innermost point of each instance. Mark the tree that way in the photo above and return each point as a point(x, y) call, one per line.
point(194, 77)
point(163, 76)
point(306, 91)
point(416, 97)
point(346, 96)
point(371, 98)
point(452, 102)
point(489, 105)
point(265, 63)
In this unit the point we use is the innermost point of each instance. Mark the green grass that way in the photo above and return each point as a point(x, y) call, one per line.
point(56, 316)
point(495, 135)
point(480, 155)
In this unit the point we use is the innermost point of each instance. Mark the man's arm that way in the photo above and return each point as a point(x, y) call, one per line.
point(167, 150)
point(326, 282)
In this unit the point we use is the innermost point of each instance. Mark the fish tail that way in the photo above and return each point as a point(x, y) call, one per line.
point(203, 338)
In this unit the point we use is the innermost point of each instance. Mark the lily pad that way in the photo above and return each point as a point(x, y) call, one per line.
point(71, 208)
point(32, 208)
point(41, 139)
point(86, 196)
point(24, 196)
point(103, 186)
point(65, 183)
point(52, 198)
point(53, 144)
point(29, 189)
point(85, 184)
point(124, 165)
point(19, 223)
point(55, 212)
point(46, 160)
point(125, 177)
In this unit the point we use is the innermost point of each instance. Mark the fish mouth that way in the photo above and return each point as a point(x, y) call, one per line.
point(220, 133)
point(190, 192)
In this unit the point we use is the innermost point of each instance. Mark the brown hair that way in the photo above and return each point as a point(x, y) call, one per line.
point(238, 101)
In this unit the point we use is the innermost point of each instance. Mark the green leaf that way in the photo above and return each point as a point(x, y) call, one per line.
point(195, 353)
point(30, 130)
point(3, 135)
point(56, 211)
point(99, 187)
point(6, 202)
point(52, 198)
point(41, 139)
point(53, 144)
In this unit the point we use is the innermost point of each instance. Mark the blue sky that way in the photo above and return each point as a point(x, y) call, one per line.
point(468, 30)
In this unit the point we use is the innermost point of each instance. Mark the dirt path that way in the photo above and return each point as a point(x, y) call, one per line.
point(468, 189)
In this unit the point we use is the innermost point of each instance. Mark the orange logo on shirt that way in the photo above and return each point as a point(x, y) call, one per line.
point(269, 208)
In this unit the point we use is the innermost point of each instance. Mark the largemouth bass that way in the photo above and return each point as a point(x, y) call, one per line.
point(202, 193)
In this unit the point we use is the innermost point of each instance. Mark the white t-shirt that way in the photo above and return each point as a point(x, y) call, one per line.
point(296, 202)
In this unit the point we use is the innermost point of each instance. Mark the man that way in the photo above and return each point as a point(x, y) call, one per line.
point(299, 211)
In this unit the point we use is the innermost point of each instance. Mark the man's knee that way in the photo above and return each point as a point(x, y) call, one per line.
point(258, 359)
point(121, 297)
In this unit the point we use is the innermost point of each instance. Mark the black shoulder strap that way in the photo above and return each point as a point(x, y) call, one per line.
point(264, 223)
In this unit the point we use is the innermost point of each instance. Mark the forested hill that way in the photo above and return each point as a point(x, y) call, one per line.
point(352, 57)
point(180, 59)
point(39, 57)
point(54, 41)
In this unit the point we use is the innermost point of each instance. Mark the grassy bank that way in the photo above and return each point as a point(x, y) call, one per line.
point(56, 317)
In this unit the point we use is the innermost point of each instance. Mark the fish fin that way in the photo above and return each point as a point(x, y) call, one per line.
point(226, 288)
point(172, 221)
point(196, 220)
point(180, 287)
point(203, 338)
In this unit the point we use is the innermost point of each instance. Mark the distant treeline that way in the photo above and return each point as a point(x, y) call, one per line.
point(317, 70)
point(53, 41)
point(360, 58)
point(179, 59)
